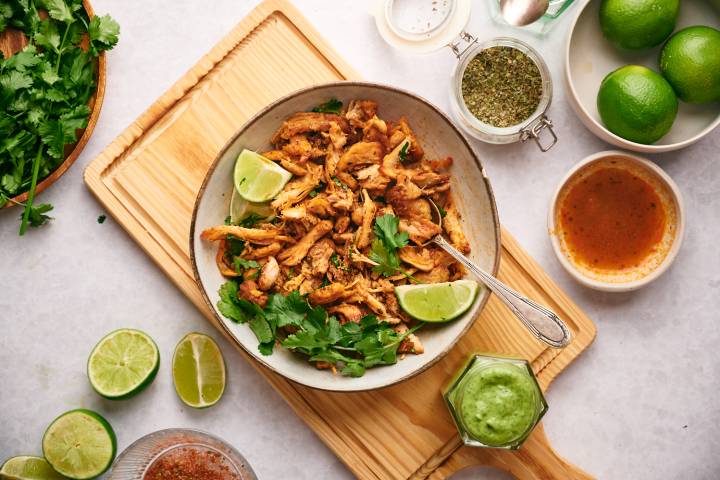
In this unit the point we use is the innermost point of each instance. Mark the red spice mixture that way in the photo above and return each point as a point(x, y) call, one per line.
point(191, 463)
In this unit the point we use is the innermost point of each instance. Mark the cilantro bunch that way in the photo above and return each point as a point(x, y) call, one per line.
point(354, 347)
point(44, 92)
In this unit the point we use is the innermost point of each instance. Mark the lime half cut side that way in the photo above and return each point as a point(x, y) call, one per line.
point(123, 363)
point(437, 302)
point(258, 179)
point(28, 468)
point(79, 444)
point(240, 209)
point(198, 371)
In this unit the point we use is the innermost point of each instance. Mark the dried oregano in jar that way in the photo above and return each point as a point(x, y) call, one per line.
point(502, 86)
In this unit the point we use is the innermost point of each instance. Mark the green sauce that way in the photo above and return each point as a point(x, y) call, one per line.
point(498, 404)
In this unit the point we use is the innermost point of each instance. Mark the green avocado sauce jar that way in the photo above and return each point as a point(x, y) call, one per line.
point(495, 401)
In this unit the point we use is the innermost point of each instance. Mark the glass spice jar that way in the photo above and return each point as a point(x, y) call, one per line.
point(531, 127)
point(426, 26)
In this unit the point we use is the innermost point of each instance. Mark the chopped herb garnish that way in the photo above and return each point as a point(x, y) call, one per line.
point(251, 220)
point(234, 246)
point(242, 264)
point(313, 193)
point(402, 155)
point(101, 219)
point(335, 260)
point(331, 106)
point(337, 182)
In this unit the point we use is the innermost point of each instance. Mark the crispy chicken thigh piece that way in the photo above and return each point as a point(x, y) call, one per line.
point(269, 274)
point(253, 235)
point(319, 257)
point(360, 111)
point(348, 312)
point(262, 252)
point(286, 162)
point(249, 291)
point(364, 233)
point(299, 188)
point(418, 257)
point(419, 230)
point(296, 253)
point(360, 154)
point(303, 122)
point(452, 226)
point(391, 166)
point(327, 294)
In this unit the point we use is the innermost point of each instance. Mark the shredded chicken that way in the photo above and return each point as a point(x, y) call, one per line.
point(269, 274)
point(348, 170)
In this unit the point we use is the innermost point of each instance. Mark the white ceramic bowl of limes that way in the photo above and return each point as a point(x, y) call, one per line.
point(589, 57)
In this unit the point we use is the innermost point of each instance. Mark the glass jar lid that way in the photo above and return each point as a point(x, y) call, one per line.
point(421, 26)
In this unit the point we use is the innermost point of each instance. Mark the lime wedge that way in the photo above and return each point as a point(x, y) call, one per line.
point(258, 179)
point(198, 371)
point(79, 444)
point(123, 363)
point(240, 209)
point(28, 468)
point(437, 302)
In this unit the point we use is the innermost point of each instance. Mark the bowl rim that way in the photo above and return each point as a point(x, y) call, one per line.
point(674, 248)
point(87, 132)
point(598, 128)
point(343, 83)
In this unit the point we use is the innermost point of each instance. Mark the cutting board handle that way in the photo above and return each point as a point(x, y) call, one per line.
point(536, 460)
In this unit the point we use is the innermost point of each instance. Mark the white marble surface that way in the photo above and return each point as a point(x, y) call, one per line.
point(641, 403)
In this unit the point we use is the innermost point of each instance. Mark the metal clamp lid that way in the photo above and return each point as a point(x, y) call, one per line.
point(455, 45)
point(534, 130)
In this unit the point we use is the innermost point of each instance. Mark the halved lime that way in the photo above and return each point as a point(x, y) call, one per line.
point(28, 468)
point(79, 444)
point(198, 371)
point(123, 363)
point(240, 209)
point(258, 179)
point(437, 302)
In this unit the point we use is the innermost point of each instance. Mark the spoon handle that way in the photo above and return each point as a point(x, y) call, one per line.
point(541, 321)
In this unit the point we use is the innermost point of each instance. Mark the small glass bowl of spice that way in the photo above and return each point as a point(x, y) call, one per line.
point(181, 454)
point(501, 90)
point(495, 401)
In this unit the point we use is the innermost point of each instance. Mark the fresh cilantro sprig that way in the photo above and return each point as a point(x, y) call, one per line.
point(331, 106)
point(44, 92)
point(353, 347)
point(383, 249)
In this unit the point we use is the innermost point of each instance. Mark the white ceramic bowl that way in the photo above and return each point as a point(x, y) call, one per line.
point(589, 57)
point(675, 197)
point(438, 137)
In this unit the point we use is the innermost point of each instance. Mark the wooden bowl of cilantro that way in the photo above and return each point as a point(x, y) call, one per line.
point(52, 83)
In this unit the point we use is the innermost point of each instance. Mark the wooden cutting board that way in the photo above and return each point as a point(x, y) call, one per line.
point(148, 179)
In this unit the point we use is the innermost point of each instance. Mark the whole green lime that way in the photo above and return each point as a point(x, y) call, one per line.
point(637, 104)
point(690, 61)
point(637, 24)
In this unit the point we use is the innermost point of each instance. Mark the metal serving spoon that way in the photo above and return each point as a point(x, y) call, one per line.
point(541, 321)
point(522, 12)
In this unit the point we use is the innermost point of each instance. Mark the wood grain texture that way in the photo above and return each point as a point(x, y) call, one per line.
point(12, 41)
point(160, 161)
